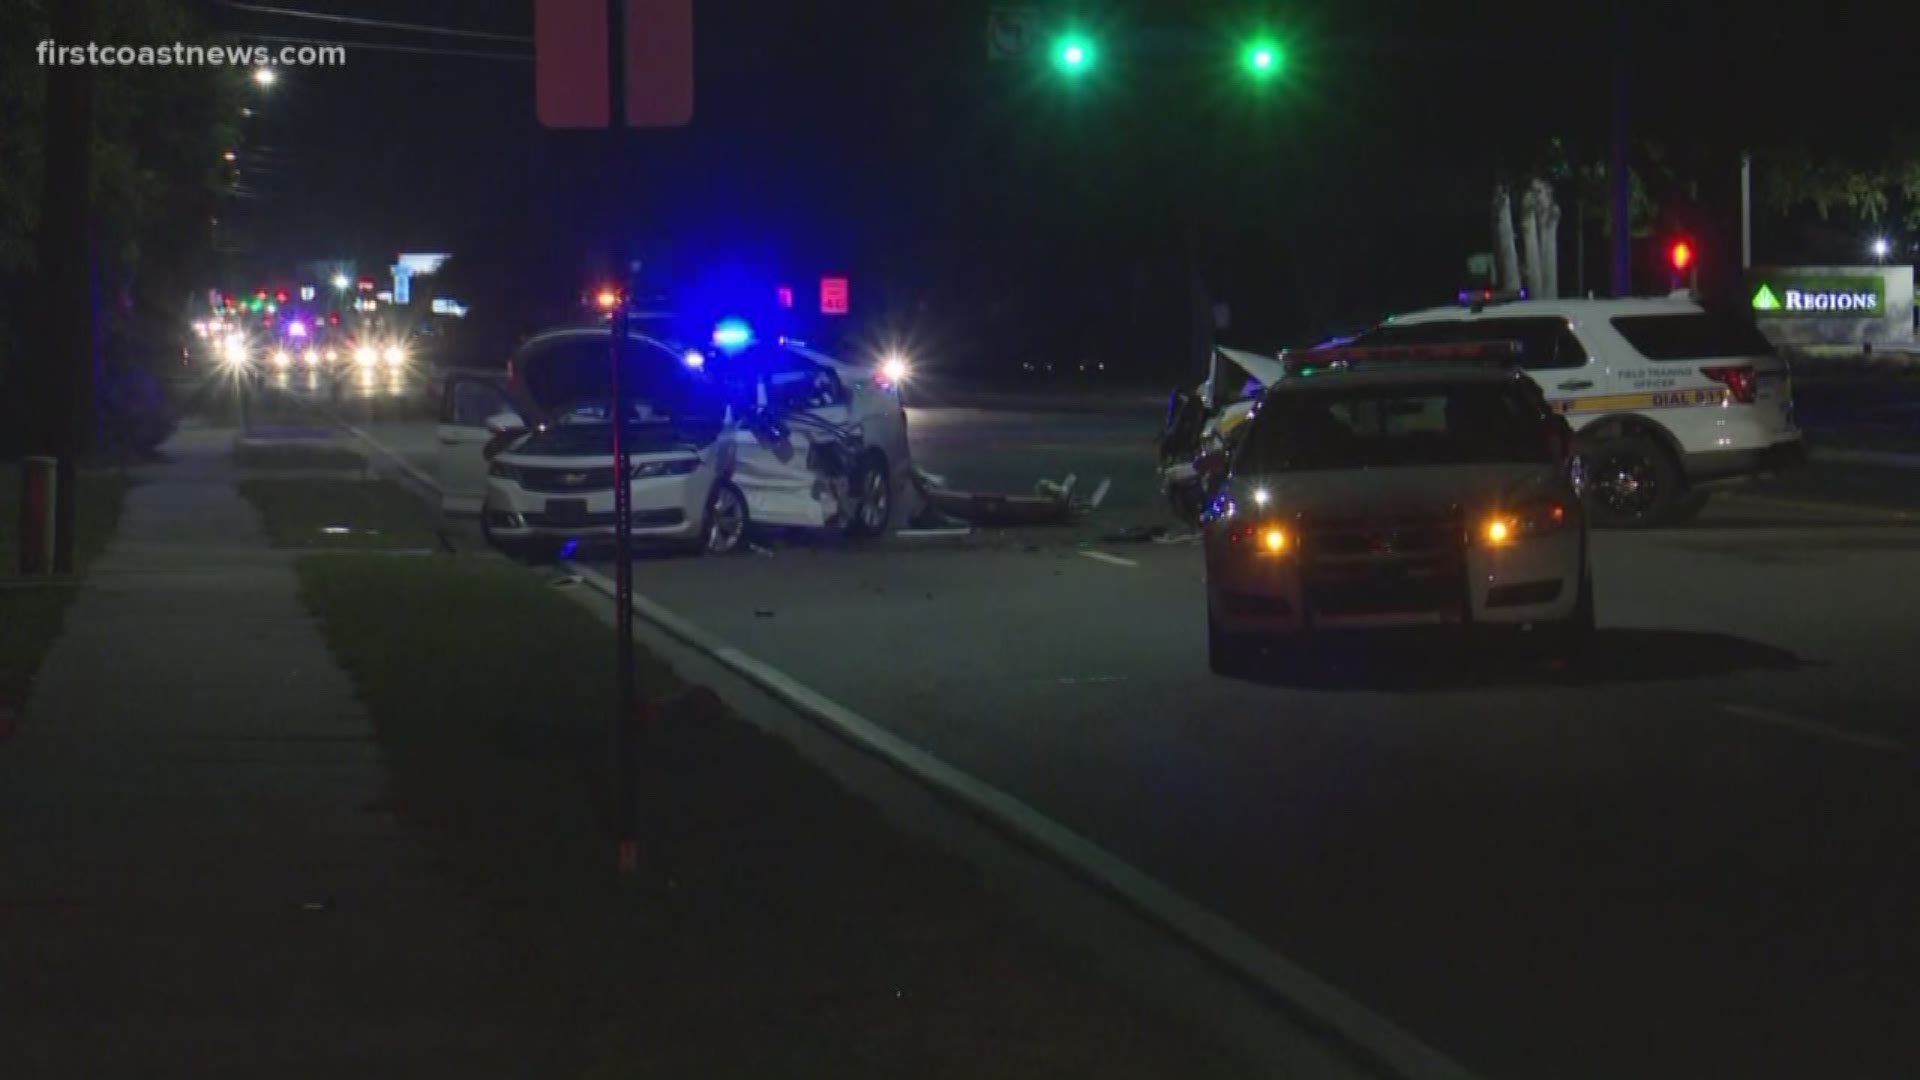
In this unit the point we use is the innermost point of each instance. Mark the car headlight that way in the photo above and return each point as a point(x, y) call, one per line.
point(395, 355)
point(281, 358)
point(504, 471)
point(895, 370)
point(366, 356)
point(679, 467)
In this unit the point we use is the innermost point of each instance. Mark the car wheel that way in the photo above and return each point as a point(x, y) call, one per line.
point(723, 528)
point(873, 499)
point(1632, 483)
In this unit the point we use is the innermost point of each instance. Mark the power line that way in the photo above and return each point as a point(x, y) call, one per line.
point(413, 28)
point(523, 58)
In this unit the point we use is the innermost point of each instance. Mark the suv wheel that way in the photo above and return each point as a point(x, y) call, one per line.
point(1632, 483)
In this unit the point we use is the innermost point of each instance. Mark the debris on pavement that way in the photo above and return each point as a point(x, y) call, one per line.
point(563, 581)
point(1135, 534)
point(1178, 538)
point(943, 532)
point(1052, 503)
point(760, 549)
point(762, 613)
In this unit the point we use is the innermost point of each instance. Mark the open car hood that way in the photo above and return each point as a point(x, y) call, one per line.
point(1230, 372)
point(555, 371)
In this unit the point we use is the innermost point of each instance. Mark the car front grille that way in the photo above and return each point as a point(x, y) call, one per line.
point(566, 480)
point(1376, 566)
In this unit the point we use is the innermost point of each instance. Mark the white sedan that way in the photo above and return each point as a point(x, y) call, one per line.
point(776, 435)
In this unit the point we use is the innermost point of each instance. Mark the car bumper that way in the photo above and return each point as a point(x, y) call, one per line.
point(667, 509)
point(1532, 581)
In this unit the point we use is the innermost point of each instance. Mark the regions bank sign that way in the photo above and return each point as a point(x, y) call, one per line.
point(1819, 296)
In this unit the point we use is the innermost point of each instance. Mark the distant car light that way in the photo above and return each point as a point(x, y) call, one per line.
point(281, 358)
point(694, 358)
point(1499, 531)
point(1273, 541)
point(366, 356)
point(310, 358)
point(1260, 497)
point(234, 350)
point(331, 356)
point(296, 329)
point(895, 369)
point(395, 355)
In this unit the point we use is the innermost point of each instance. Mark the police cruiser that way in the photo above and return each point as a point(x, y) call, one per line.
point(1398, 486)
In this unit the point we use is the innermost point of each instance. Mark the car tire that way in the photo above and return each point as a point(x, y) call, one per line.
point(1229, 655)
point(724, 522)
point(1632, 483)
point(873, 504)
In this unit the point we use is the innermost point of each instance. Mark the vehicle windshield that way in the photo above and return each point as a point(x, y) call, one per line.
point(1398, 425)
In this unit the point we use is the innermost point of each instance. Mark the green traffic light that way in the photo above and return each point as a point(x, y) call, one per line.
point(1072, 53)
point(1263, 59)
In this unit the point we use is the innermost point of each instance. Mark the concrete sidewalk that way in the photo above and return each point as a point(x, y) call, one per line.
point(198, 874)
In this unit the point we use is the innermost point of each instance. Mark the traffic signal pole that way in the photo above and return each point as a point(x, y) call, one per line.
point(1619, 174)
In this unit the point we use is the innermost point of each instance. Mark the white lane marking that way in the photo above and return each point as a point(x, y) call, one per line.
point(1400, 1050)
point(1811, 727)
point(1111, 560)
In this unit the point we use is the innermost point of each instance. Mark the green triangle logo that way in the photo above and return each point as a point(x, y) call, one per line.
point(1764, 300)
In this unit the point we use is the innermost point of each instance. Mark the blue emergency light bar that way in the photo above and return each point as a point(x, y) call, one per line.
point(732, 334)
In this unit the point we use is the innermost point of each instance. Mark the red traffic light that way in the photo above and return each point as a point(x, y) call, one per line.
point(1680, 255)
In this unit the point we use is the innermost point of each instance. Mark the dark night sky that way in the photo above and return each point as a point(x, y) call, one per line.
point(873, 135)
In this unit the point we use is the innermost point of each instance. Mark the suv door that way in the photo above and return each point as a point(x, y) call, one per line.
point(1550, 353)
point(467, 402)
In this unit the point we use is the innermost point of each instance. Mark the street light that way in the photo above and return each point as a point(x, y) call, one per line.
point(340, 282)
point(1881, 248)
point(265, 77)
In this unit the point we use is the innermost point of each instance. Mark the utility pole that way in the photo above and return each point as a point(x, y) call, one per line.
point(1746, 211)
point(1619, 174)
point(62, 354)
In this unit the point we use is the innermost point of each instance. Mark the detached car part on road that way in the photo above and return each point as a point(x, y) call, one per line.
point(776, 435)
point(1395, 487)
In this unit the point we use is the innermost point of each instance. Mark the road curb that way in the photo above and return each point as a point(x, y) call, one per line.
point(1315, 1000)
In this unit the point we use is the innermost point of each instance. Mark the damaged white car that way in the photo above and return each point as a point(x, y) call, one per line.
point(722, 442)
point(1207, 420)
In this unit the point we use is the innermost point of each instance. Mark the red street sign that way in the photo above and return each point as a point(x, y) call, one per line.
point(833, 296)
point(571, 88)
point(573, 83)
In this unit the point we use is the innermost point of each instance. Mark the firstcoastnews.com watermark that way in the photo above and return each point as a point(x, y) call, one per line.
point(51, 53)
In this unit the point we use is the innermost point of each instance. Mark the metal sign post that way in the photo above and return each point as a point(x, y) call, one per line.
point(614, 64)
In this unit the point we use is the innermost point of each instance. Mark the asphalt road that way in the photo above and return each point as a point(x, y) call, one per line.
point(1695, 853)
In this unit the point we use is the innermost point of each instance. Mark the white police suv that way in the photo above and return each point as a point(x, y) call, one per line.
point(1667, 398)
